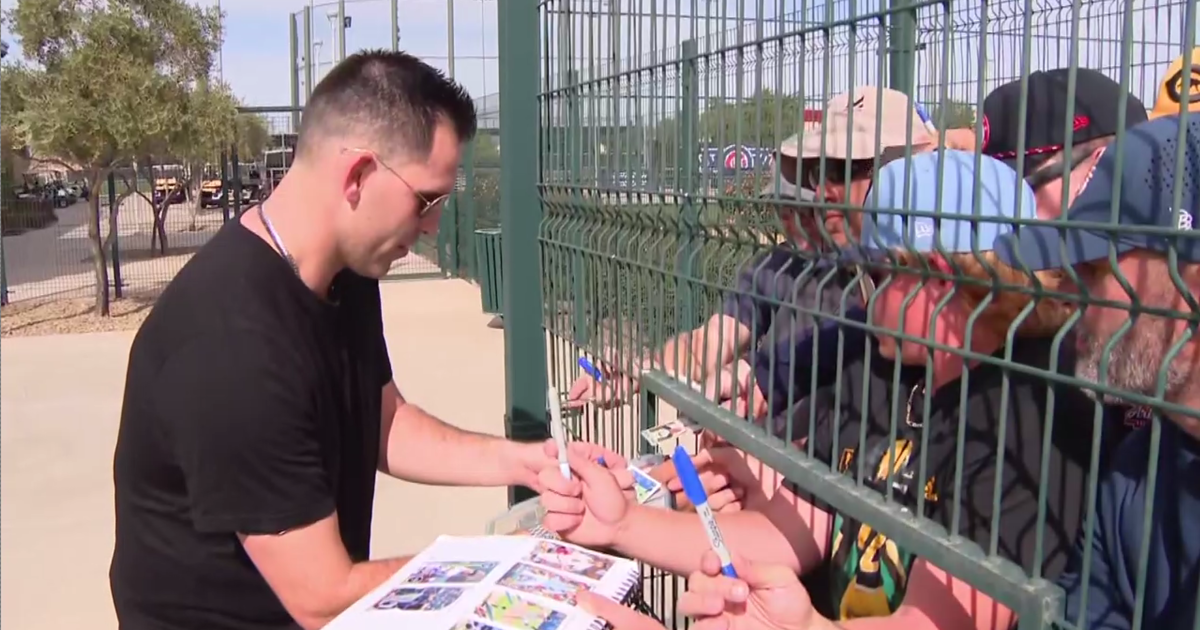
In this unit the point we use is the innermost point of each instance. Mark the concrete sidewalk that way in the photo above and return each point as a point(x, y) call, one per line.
point(61, 402)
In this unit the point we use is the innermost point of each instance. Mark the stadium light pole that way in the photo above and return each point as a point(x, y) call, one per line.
point(395, 25)
point(341, 16)
point(450, 37)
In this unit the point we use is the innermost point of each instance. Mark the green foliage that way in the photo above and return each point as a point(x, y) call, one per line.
point(252, 135)
point(763, 119)
point(958, 116)
point(107, 83)
point(486, 150)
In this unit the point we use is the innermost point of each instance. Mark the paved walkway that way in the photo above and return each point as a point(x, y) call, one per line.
point(62, 397)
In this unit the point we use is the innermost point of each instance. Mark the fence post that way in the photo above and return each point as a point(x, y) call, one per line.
point(116, 235)
point(3, 264)
point(520, 217)
point(574, 144)
point(306, 22)
point(225, 187)
point(294, 70)
point(236, 176)
point(902, 46)
point(685, 161)
point(465, 238)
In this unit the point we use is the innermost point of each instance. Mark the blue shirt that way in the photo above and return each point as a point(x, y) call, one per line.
point(1173, 570)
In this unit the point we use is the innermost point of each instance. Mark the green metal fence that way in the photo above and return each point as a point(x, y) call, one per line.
point(625, 211)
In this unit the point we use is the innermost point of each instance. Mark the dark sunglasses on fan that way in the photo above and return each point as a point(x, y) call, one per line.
point(835, 171)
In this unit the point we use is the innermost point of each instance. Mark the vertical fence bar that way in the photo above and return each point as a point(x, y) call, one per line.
point(116, 236)
point(689, 216)
point(226, 187)
point(575, 138)
point(3, 264)
point(520, 217)
point(236, 176)
point(294, 70)
point(902, 45)
point(308, 54)
point(464, 239)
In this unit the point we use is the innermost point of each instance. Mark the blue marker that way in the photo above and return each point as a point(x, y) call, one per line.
point(699, 498)
point(592, 370)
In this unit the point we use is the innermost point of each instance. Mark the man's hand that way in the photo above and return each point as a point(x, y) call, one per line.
point(618, 616)
point(723, 495)
point(527, 460)
point(731, 388)
point(613, 391)
point(763, 597)
point(588, 508)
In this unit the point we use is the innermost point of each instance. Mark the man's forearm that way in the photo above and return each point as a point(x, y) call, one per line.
point(675, 541)
point(423, 449)
point(362, 579)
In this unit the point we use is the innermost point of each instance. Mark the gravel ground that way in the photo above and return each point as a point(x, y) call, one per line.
point(73, 315)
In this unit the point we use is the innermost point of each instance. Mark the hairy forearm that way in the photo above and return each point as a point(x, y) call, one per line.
point(423, 449)
point(361, 579)
point(722, 337)
point(675, 541)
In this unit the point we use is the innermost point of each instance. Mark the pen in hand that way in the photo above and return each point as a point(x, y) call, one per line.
point(557, 431)
point(694, 489)
point(591, 370)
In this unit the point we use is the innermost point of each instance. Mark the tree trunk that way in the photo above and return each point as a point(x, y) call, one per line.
point(99, 259)
point(194, 183)
point(160, 224)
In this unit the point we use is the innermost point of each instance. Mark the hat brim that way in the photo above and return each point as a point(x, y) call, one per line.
point(1042, 247)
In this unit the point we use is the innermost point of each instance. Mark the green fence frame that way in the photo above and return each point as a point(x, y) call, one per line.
point(624, 266)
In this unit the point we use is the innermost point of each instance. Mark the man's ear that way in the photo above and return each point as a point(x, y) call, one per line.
point(355, 166)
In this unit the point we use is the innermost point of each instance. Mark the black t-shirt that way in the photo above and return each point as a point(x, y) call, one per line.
point(868, 573)
point(251, 406)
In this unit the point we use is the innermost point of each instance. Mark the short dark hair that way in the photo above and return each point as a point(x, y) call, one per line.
point(390, 96)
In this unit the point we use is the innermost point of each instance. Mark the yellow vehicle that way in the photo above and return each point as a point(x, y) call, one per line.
point(172, 187)
point(211, 192)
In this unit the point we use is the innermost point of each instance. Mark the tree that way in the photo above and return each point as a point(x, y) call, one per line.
point(957, 115)
point(107, 82)
point(764, 119)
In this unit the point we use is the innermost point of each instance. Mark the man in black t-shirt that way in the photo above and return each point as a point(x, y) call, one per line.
point(259, 401)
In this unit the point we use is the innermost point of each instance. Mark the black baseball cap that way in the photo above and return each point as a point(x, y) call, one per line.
point(1097, 105)
point(1146, 203)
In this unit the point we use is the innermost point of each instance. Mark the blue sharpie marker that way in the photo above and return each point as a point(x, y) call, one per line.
point(699, 498)
point(592, 370)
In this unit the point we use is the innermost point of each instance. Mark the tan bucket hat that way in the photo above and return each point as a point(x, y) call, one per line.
point(893, 109)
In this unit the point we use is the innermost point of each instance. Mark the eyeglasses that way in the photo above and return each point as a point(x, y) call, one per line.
point(1057, 168)
point(427, 205)
point(835, 171)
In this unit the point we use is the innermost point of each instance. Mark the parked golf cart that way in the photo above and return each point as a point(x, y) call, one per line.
point(174, 188)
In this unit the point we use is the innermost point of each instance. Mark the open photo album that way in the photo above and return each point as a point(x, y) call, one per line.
point(493, 583)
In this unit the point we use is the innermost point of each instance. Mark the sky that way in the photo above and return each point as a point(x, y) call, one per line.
point(255, 51)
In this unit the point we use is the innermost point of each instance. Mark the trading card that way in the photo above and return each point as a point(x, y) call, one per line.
point(518, 612)
point(542, 582)
point(451, 572)
point(663, 432)
point(417, 598)
point(570, 559)
point(644, 486)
